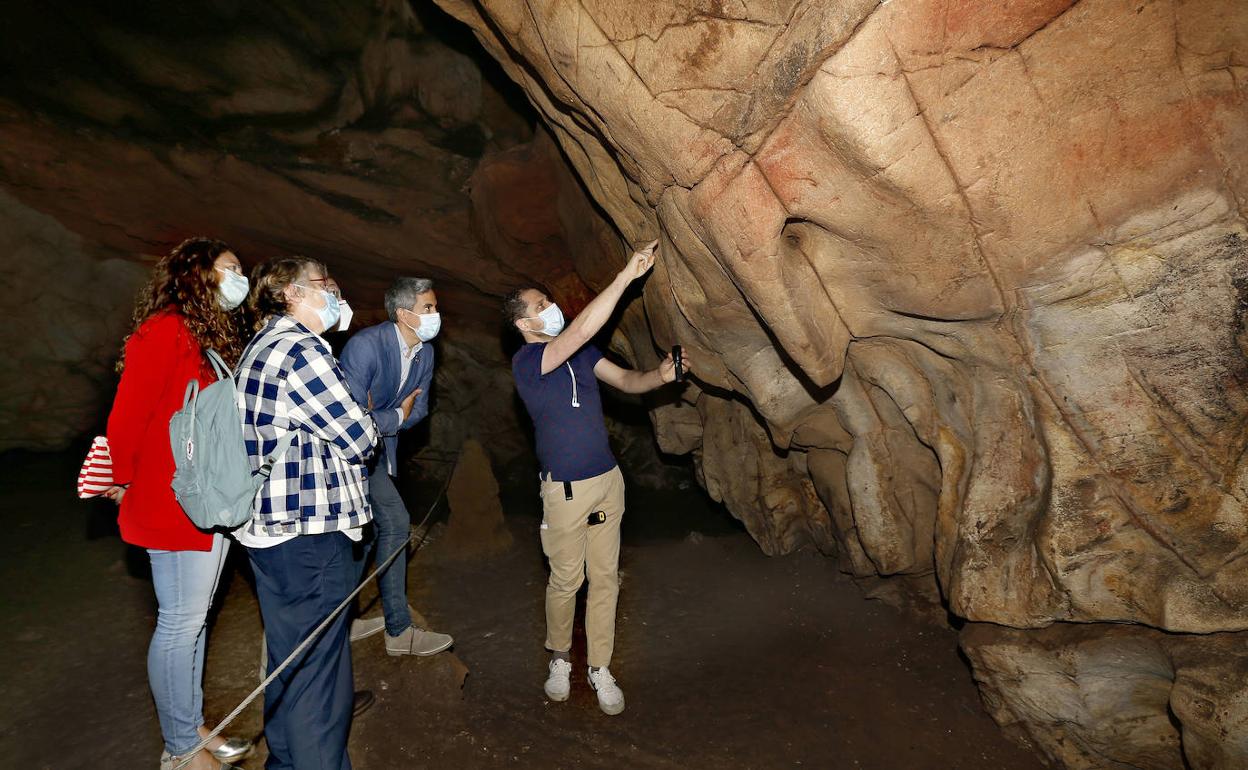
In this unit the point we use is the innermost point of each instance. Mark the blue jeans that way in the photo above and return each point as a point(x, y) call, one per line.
point(185, 582)
point(392, 527)
point(307, 708)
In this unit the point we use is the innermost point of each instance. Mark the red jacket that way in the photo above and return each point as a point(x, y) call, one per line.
point(161, 357)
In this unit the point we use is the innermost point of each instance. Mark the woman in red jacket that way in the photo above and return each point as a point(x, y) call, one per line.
point(190, 305)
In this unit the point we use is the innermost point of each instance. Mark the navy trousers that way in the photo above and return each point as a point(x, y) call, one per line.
point(307, 709)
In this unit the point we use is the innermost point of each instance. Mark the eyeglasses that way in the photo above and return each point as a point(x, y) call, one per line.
point(325, 281)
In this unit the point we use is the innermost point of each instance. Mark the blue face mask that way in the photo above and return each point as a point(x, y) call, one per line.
point(552, 320)
point(231, 289)
point(430, 325)
point(329, 314)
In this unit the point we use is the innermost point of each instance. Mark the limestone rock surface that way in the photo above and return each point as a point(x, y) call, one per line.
point(966, 283)
point(1116, 697)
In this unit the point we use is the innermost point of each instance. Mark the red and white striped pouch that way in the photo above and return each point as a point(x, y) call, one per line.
point(96, 475)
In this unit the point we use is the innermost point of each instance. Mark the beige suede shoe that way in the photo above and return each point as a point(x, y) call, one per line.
point(417, 641)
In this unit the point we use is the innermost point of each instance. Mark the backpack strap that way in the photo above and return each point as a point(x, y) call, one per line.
point(190, 401)
point(218, 364)
point(283, 445)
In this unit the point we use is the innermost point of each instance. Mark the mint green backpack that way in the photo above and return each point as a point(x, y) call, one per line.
point(212, 478)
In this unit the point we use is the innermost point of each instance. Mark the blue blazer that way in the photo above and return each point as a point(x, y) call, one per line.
point(370, 360)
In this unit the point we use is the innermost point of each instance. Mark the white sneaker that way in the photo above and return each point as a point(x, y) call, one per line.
point(610, 696)
point(559, 683)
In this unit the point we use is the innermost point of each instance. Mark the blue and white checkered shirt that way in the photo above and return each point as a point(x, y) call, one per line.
point(289, 380)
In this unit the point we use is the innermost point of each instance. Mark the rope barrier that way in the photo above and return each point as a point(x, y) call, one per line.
point(418, 530)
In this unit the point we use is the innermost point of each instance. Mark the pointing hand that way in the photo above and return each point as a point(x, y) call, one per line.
point(641, 261)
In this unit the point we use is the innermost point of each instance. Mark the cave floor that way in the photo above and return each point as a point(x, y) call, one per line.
point(727, 658)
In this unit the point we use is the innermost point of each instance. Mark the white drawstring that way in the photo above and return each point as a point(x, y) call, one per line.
point(572, 374)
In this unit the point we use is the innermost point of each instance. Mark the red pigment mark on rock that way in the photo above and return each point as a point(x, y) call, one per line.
point(937, 26)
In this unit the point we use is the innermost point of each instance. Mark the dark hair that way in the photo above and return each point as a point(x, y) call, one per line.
point(402, 294)
point(514, 306)
point(269, 280)
point(185, 281)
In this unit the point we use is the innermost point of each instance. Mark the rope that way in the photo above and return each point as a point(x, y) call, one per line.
point(419, 530)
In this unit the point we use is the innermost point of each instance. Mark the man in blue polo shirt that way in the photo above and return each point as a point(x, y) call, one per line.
point(556, 374)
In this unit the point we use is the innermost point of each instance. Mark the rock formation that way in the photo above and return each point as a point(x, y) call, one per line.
point(966, 282)
point(476, 528)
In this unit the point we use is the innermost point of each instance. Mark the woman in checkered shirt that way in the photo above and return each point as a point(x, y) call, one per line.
point(310, 509)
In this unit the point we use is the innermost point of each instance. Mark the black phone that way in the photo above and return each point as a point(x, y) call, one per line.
point(678, 359)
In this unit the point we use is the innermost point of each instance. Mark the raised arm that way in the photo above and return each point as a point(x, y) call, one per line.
point(597, 312)
point(635, 381)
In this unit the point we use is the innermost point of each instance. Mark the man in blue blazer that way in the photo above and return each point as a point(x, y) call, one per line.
point(389, 367)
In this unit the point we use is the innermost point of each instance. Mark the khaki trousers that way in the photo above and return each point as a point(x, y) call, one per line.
point(575, 548)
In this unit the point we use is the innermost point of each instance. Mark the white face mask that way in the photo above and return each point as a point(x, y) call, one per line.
point(231, 289)
point(552, 320)
point(430, 325)
point(344, 315)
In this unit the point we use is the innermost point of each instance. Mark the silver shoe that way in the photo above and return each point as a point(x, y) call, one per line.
point(169, 762)
point(232, 749)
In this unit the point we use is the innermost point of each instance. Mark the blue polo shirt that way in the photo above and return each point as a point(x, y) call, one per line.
point(571, 440)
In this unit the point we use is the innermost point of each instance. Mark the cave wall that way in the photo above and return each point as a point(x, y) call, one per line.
point(966, 285)
point(64, 318)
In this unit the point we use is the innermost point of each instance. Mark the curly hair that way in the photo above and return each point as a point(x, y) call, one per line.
point(269, 280)
point(185, 281)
